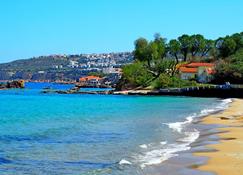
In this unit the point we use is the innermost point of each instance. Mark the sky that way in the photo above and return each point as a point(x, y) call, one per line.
point(42, 27)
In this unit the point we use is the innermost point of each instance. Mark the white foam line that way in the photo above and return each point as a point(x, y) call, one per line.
point(157, 156)
point(144, 146)
point(178, 126)
point(124, 162)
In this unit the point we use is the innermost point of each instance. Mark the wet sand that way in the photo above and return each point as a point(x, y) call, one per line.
point(225, 156)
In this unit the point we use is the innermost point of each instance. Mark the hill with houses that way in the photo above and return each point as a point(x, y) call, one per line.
point(63, 67)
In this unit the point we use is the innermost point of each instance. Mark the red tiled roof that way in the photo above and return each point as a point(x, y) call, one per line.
point(87, 78)
point(200, 65)
point(188, 70)
point(82, 79)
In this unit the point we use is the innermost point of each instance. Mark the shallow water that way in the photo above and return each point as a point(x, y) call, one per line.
point(93, 134)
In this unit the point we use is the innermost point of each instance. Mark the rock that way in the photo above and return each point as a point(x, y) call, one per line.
point(13, 84)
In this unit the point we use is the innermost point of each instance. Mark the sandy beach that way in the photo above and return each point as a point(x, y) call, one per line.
point(228, 159)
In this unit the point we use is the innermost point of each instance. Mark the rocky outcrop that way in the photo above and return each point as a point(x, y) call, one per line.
point(12, 84)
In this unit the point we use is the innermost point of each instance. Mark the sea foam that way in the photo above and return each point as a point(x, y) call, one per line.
point(178, 126)
point(124, 162)
point(157, 156)
point(144, 146)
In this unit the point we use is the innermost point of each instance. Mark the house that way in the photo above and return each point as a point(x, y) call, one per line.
point(202, 72)
point(41, 72)
point(188, 73)
point(91, 81)
point(73, 64)
point(205, 74)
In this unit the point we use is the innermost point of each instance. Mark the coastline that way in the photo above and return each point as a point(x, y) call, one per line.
point(203, 91)
point(225, 156)
point(185, 161)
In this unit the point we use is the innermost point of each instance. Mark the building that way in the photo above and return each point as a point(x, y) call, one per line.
point(205, 74)
point(202, 72)
point(73, 64)
point(188, 73)
point(41, 72)
point(90, 81)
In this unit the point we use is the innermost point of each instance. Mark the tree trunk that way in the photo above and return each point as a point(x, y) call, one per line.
point(149, 65)
point(185, 56)
point(177, 59)
point(152, 72)
point(205, 52)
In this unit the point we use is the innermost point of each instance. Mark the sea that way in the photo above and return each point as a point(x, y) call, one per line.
point(95, 134)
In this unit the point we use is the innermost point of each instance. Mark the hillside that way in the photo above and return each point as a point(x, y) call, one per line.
point(63, 67)
point(34, 64)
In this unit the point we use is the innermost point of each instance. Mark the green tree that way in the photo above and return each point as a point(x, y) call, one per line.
point(198, 44)
point(185, 43)
point(136, 74)
point(226, 46)
point(230, 69)
point(238, 38)
point(151, 51)
point(174, 49)
point(209, 46)
point(161, 45)
point(140, 52)
point(165, 66)
point(156, 49)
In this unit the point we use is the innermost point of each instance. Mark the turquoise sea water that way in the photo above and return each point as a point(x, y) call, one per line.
point(92, 134)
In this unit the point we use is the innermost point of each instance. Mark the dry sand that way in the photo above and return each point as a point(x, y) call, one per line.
point(228, 159)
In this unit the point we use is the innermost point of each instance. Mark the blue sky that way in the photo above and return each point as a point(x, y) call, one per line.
point(42, 27)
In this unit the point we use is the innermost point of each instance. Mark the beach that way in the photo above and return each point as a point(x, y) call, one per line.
point(227, 157)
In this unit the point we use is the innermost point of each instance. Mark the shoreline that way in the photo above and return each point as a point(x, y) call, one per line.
point(208, 91)
point(225, 156)
point(184, 161)
point(212, 91)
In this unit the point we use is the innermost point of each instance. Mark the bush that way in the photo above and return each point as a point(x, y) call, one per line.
point(165, 81)
point(231, 69)
point(135, 75)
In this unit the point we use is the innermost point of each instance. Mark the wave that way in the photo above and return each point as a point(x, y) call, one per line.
point(124, 162)
point(163, 143)
point(144, 146)
point(157, 156)
point(190, 136)
point(178, 126)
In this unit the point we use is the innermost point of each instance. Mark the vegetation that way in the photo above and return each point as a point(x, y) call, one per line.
point(230, 69)
point(98, 74)
point(34, 64)
point(156, 61)
point(165, 81)
point(135, 75)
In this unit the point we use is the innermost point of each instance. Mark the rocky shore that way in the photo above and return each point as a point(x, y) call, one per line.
point(12, 84)
point(216, 91)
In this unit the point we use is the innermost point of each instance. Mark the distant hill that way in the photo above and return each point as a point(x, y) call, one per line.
point(35, 64)
point(62, 67)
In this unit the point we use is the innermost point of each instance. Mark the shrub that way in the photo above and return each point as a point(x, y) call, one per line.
point(136, 75)
point(231, 69)
point(165, 81)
